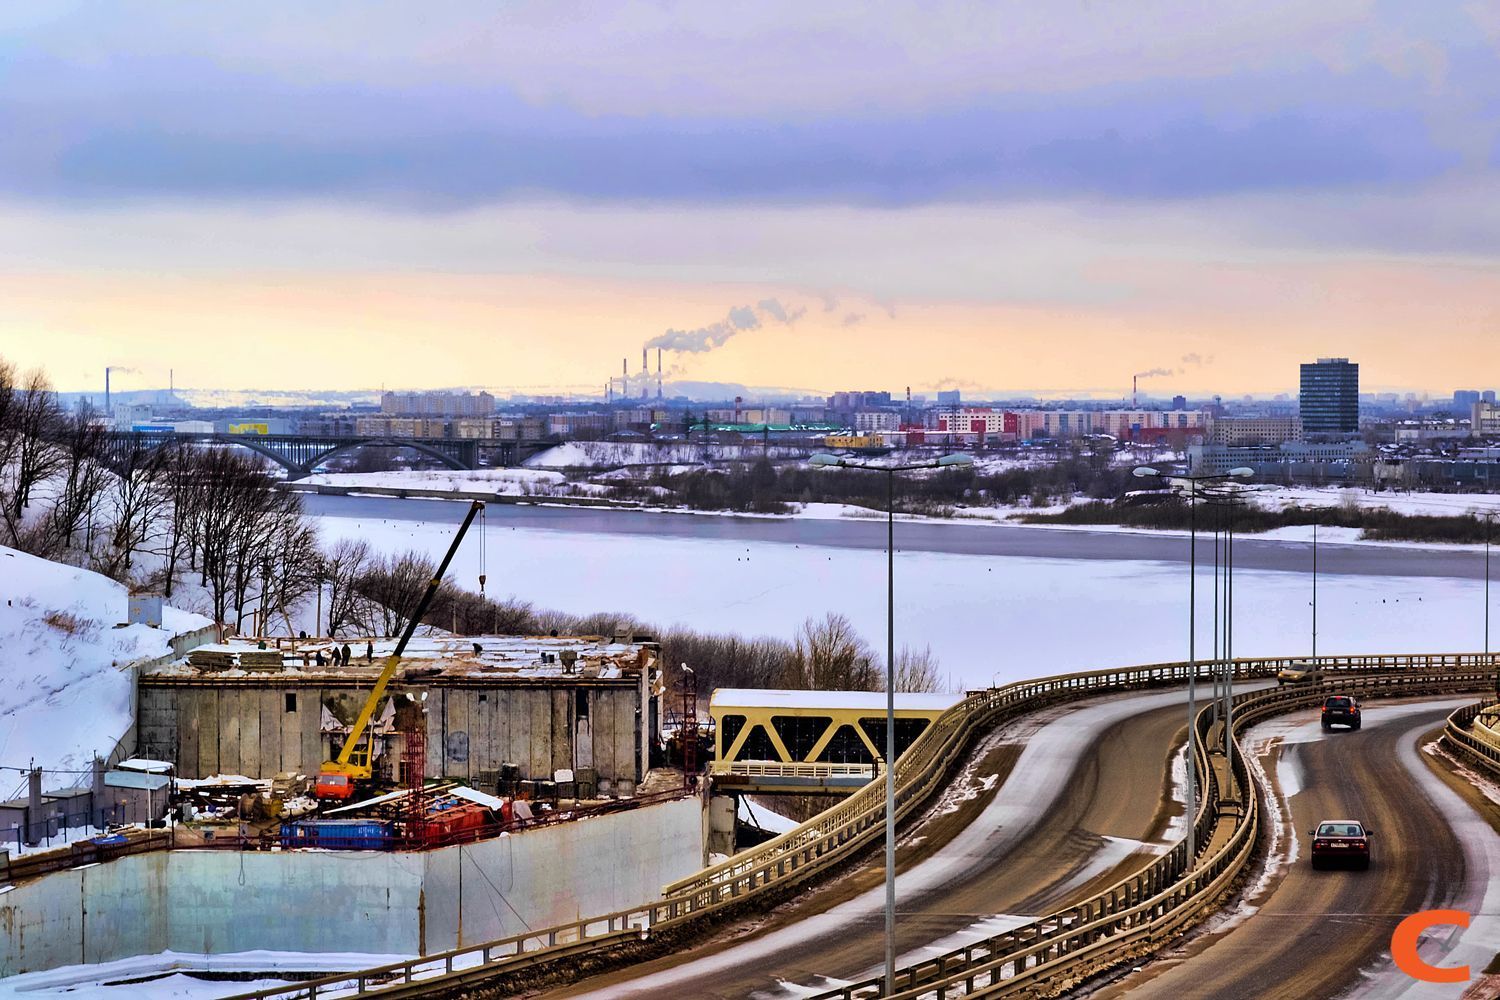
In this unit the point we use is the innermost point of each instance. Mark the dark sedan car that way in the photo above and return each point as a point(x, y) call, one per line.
point(1340, 710)
point(1341, 841)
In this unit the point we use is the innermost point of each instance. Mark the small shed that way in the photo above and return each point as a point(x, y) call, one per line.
point(136, 797)
point(13, 821)
point(71, 806)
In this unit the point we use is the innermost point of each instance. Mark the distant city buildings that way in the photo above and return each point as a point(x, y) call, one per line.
point(1251, 431)
point(437, 404)
point(1329, 400)
point(1484, 418)
point(949, 397)
point(1023, 425)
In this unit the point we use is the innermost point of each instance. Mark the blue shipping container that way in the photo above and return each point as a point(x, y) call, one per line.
point(339, 834)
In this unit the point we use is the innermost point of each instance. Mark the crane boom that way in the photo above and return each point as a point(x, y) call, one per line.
point(350, 763)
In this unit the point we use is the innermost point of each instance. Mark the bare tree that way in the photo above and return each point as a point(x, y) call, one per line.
point(393, 587)
point(138, 501)
point(342, 568)
point(83, 481)
point(185, 484)
point(829, 655)
point(916, 670)
point(33, 424)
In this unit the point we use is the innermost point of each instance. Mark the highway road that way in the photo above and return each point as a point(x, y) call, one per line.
point(1317, 934)
point(1087, 794)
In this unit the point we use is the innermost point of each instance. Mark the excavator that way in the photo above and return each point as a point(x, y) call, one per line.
point(351, 770)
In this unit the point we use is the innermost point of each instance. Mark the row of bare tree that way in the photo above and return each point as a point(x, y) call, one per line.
point(369, 593)
point(156, 517)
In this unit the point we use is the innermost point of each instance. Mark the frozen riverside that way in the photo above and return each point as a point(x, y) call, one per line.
point(955, 538)
point(986, 616)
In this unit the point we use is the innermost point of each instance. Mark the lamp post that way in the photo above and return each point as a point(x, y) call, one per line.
point(1315, 594)
point(1194, 491)
point(834, 461)
point(1489, 523)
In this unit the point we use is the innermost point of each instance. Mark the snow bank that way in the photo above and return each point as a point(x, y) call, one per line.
point(66, 695)
point(1435, 504)
point(509, 482)
point(128, 977)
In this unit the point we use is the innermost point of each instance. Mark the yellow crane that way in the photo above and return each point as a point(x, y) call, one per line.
point(338, 777)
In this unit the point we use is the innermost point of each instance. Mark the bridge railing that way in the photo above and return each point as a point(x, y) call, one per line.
point(1157, 893)
point(1155, 901)
point(1474, 743)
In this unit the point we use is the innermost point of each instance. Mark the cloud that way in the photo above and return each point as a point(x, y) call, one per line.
point(357, 106)
point(1197, 359)
point(739, 319)
point(853, 319)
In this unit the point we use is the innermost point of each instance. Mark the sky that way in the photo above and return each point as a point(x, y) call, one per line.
point(997, 197)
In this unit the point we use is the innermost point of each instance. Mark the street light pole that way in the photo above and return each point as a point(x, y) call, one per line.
point(1489, 523)
point(890, 677)
point(1193, 491)
point(1315, 595)
point(890, 731)
point(1192, 738)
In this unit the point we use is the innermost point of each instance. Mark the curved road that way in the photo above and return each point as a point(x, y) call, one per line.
point(1087, 794)
point(1316, 934)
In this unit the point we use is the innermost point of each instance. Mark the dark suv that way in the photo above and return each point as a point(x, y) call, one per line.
point(1340, 710)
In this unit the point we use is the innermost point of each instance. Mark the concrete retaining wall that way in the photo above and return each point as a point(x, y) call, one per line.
point(213, 902)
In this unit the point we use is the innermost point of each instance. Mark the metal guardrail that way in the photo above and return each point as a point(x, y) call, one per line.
point(794, 769)
point(836, 834)
point(1149, 905)
point(1474, 743)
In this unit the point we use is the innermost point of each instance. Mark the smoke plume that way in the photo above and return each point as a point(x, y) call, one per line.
point(738, 320)
point(1155, 373)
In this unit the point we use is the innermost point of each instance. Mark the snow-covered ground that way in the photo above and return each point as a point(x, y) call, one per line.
point(1402, 502)
point(506, 482)
point(65, 696)
point(116, 980)
point(985, 617)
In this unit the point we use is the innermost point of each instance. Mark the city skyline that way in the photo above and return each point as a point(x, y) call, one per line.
point(341, 196)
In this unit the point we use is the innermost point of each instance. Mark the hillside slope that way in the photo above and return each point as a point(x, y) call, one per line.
point(63, 694)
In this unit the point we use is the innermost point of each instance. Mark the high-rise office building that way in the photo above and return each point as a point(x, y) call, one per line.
point(1330, 397)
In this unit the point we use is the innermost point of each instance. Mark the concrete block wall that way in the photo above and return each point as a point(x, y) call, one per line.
point(221, 902)
point(258, 731)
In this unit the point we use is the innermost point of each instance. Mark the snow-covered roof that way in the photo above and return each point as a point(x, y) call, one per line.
point(872, 701)
point(498, 656)
point(134, 779)
point(145, 765)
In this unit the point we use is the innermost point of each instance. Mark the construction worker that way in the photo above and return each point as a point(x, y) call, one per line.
point(347, 653)
point(369, 651)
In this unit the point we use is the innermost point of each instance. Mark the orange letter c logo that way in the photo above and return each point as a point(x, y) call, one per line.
point(1404, 946)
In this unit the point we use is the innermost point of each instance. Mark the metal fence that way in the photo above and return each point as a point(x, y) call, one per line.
point(836, 834)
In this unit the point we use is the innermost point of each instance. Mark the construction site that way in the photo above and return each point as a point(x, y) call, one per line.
point(480, 785)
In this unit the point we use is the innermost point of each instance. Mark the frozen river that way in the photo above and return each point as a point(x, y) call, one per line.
point(993, 602)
